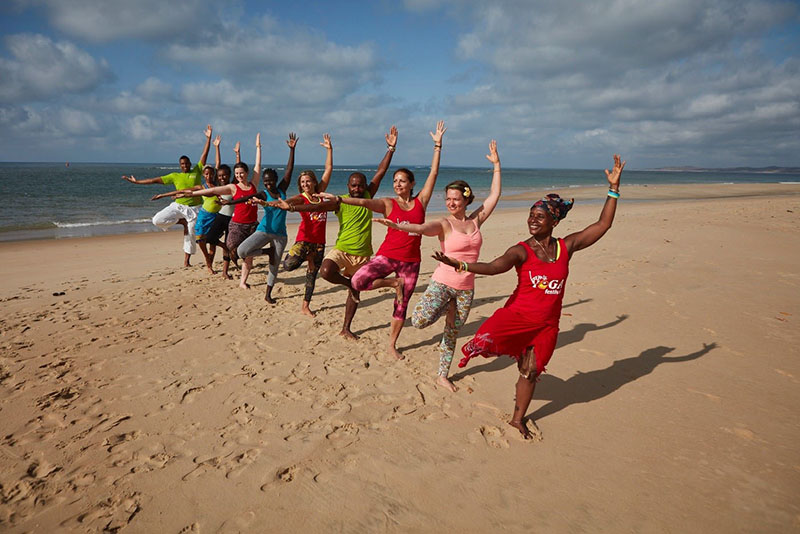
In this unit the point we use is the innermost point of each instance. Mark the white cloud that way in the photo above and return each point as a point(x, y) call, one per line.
point(110, 20)
point(40, 68)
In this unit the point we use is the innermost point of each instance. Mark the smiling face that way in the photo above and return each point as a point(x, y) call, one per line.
point(455, 202)
point(209, 175)
point(357, 185)
point(403, 184)
point(224, 176)
point(540, 223)
point(240, 173)
point(308, 184)
point(185, 163)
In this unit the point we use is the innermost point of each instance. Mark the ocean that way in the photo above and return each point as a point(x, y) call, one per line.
point(87, 199)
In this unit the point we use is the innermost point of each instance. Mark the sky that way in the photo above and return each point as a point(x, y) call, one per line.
point(712, 83)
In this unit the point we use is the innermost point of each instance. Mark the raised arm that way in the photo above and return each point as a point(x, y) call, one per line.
point(287, 176)
point(217, 159)
point(257, 167)
point(427, 190)
point(326, 175)
point(432, 228)
point(589, 235)
point(237, 152)
point(207, 146)
point(378, 205)
point(483, 212)
point(513, 257)
point(383, 166)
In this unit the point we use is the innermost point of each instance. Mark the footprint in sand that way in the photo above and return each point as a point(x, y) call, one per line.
point(494, 437)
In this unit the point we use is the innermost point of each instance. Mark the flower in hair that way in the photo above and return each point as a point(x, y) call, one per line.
point(467, 192)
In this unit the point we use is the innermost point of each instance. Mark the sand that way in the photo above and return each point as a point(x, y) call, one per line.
point(152, 398)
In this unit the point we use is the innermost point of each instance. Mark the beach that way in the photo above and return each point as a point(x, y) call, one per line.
point(139, 396)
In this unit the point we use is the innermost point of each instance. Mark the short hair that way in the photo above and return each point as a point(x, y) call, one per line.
point(224, 167)
point(269, 171)
point(184, 157)
point(357, 175)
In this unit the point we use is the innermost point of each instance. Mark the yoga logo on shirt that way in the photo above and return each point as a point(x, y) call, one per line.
point(550, 287)
point(400, 223)
point(318, 216)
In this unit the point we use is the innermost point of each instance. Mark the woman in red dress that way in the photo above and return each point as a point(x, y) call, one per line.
point(526, 328)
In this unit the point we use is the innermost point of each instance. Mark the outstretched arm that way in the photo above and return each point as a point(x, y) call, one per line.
point(378, 205)
point(326, 175)
point(207, 192)
point(178, 193)
point(589, 235)
point(132, 179)
point(383, 166)
point(217, 159)
point(289, 205)
point(206, 147)
point(255, 196)
point(287, 176)
point(483, 212)
point(513, 257)
point(257, 166)
point(427, 190)
point(432, 228)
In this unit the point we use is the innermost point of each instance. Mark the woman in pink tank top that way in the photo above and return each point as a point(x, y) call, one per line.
point(460, 238)
point(400, 251)
point(526, 328)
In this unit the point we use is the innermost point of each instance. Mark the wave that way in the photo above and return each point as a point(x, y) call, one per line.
point(99, 223)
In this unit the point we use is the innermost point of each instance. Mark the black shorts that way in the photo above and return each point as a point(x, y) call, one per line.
point(218, 227)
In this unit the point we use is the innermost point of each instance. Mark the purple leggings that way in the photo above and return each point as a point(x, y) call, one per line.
point(381, 267)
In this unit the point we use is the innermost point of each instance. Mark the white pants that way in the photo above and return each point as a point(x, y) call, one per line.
point(171, 215)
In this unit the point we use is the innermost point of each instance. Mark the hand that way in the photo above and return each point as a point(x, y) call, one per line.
point(439, 256)
point(614, 176)
point(492, 156)
point(182, 194)
point(217, 140)
point(391, 137)
point(236, 147)
point(440, 130)
point(156, 197)
point(131, 179)
point(281, 204)
point(386, 222)
point(208, 132)
point(326, 142)
point(223, 201)
point(292, 141)
point(325, 196)
point(258, 140)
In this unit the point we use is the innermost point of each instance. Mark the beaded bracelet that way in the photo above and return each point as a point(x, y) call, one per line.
point(390, 148)
point(613, 194)
point(462, 267)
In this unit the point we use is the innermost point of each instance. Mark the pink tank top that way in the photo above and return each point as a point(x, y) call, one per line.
point(463, 247)
point(540, 286)
point(244, 213)
point(400, 245)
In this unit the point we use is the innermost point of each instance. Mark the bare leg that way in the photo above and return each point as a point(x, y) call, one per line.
point(226, 261)
point(526, 383)
point(397, 326)
point(268, 295)
point(247, 264)
point(207, 256)
point(350, 307)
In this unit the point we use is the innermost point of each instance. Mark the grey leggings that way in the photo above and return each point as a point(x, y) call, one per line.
point(254, 246)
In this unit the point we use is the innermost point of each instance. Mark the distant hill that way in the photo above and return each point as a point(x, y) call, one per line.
point(748, 170)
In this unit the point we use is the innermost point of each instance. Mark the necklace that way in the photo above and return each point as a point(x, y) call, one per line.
point(549, 258)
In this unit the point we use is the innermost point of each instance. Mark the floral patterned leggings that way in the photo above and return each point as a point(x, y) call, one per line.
point(300, 252)
point(433, 304)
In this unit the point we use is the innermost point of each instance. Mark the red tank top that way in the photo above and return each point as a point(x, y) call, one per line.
point(540, 286)
point(244, 213)
point(400, 245)
point(312, 227)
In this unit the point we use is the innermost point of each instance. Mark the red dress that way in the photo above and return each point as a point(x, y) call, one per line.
point(530, 316)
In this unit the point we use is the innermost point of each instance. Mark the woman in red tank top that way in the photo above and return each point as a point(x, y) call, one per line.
point(526, 328)
point(400, 251)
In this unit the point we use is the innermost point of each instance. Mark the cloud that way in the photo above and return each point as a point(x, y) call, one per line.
point(122, 19)
point(40, 68)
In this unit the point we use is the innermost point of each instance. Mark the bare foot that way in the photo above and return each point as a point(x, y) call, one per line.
point(443, 381)
point(347, 334)
point(244, 286)
point(396, 353)
point(268, 296)
point(306, 310)
point(523, 429)
point(210, 270)
point(186, 263)
point(226, 276)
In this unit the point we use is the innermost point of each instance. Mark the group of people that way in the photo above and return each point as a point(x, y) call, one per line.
point(209, 205)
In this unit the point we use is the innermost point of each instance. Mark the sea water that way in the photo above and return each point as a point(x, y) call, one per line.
point(53, 200)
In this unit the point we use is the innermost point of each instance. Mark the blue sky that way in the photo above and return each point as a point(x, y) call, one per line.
point(558, 84)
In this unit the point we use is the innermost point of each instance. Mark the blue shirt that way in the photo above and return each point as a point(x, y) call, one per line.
point(274, 220)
